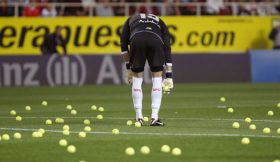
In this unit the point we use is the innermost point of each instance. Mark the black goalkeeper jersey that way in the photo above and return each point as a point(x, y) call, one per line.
point(147, 23)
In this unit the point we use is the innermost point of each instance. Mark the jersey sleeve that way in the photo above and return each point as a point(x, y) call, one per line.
point(166, 41)
point(125, 35)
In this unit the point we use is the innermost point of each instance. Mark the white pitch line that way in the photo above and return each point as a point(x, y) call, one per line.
point(155, 134)
point(129, 118)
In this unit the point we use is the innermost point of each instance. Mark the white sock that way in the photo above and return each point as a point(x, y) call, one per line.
point(156, 96)
point(137, 96)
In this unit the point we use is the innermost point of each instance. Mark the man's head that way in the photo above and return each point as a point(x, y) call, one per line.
point(58, 30)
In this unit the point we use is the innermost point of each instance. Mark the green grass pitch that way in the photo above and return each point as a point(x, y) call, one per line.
point(194, 117)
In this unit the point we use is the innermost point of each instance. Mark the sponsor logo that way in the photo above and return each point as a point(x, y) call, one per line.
point(62, 70)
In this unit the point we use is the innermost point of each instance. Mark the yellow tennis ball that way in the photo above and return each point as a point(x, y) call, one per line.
point(13, 112)
point(278, 131)
point(41, 130)
point(44, 103)
point(230, 110)
point(82, 134)
point(129, 151)
point(18, 118)
point(146, 119)
point(5, 137)
point(115, 131)
point(17, 135)
point(101, 109)
point(129, 123)
point(266, 130)
point(66, 132)
point(93, 107)
point(245, 141)
point(49, 122)
point(222, 99)
point(69, 107)
point(87, 128)
point(145, 150)
point(235, 125)
point(137, 124)
point(27, 108)
point(252, 127)
point(71, 149)
point(176, 151)
point(86, 122)
point(248, 120)
point(63, 142)
point(73, 112)
point(270, 113)
point(165, 148)
point(99, 117)
point(66, 127)
point(165, 88)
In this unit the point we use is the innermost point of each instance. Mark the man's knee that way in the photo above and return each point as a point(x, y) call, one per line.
point(137, 70)
point(156, 68)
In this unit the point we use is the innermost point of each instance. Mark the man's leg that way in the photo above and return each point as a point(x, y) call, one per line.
point(156, 96)
point(137, 95)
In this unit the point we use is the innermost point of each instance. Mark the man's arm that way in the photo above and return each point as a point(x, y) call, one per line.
point(63, 44)
point(272, 34)
point(125, 37)
point(124, 49)
point(166, 41)
point(168, 81)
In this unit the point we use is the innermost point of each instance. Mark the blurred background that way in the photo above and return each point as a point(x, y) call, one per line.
point(213, 41)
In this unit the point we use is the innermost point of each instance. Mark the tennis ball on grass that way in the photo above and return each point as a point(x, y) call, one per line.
point(27, 108)
point(63, 142)
point(146, 119)
point(66, 132)
point(235, 125)
point(71, 149)
point(73, 112)
point(101, 109)
point(66, 127)
point(245, 141)
point(266, 130)
point(165, 148)
point(100, 117)
point(69, 107)
point(44, 103)
point(248, 120)
point(230, 110)
point(41, 130)
point(252, 127)
point(129, 123)
point(222, 99)
point(86, 122)
point(115, 131)
point(49, 122)
point(18, 118)
point(129, 151)
point(17, 135)
point(93, 107)
point(82, 134)
point(176, 151)
point(270, 113)
point(13, 112)
point(5, 137)
point(137, 124)
point(145, 150)
point(278, 131)
point(87, 128)
point(37, 134)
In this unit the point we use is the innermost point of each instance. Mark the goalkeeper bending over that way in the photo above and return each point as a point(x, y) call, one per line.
point(149, 39)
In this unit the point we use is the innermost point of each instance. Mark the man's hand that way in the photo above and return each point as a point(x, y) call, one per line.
point(167, 85)
point(129, 76)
